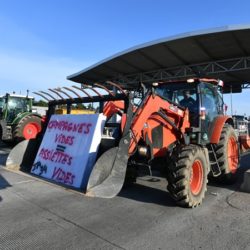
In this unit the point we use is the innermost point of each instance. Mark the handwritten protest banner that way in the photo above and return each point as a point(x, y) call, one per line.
point(69, 148)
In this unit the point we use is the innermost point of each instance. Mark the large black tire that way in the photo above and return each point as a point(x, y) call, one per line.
point(227, 153)
point(7, 142)
point(187, 176)
point(27, 128)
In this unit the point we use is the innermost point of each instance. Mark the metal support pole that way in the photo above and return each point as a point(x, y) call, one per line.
point(114, 118)
point(231, 99)
point(69, 108)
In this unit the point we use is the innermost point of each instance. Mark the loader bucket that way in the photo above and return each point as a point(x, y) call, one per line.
point(22, 156)
point(108, 174)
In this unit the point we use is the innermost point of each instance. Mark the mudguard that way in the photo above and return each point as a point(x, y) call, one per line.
point(21, 116)
point(216, 127)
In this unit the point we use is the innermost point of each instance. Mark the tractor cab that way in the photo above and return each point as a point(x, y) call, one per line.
point(12, 105)
point(201, 97)
point(15, 105)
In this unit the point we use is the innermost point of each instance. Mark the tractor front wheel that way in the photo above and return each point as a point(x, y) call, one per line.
point(27, 128)
point(187, 176)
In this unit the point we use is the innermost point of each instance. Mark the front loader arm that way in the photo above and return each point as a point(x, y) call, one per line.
point(113, 107)
point(157, 108)
point(108, 174)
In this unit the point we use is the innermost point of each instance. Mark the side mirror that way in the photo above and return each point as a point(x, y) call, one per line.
point(225, 108)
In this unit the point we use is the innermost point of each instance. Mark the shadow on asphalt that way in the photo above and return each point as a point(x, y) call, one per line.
point(147, 194)
point(3, 184)
point(3, 157)
point(4, 152)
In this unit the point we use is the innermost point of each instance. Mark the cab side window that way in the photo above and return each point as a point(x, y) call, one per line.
point(209, 101)
point(220, 104)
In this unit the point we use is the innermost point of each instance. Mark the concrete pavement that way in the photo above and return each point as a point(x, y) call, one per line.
point(35, 214)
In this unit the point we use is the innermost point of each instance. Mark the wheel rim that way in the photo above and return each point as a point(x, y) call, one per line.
point(30, 131)
point(232, 154)
point(196, 177)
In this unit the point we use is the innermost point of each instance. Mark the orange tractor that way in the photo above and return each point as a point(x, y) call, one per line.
point(179, 126)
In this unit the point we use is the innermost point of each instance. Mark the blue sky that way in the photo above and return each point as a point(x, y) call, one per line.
point(44, 41)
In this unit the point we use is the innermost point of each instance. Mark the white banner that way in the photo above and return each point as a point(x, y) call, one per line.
point(69, 148)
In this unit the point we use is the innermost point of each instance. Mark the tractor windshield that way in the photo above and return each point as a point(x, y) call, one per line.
point(16, 106)
point(182, 94)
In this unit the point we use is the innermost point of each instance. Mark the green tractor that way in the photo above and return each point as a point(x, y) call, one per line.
point(17, 122)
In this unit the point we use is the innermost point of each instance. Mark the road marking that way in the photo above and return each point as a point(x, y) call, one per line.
point(21, 182)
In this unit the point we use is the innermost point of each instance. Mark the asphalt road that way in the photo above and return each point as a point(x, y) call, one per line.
point(35, 214)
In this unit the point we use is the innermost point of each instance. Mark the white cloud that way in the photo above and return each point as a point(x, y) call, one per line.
point(19, 72)
point(27, 61)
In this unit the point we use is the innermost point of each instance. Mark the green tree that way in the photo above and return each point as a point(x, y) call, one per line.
point(40, 103)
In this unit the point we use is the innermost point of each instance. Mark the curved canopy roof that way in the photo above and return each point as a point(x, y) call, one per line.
point(218, 53)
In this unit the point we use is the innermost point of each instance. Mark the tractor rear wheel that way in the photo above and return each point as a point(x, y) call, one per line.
point(227, 153)
point(27, 128)
point(187, 176)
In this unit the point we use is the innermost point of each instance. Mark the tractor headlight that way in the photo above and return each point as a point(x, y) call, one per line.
point(193, 136)
point(143, 151)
